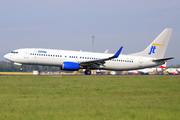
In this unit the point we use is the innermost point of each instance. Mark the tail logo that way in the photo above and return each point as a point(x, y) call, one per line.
point(152, 50)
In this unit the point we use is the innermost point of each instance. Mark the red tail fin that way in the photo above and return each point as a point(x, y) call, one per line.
point(164, 65)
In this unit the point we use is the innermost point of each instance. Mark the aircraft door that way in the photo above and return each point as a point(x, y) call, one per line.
point(26, 54)
point(140, 62)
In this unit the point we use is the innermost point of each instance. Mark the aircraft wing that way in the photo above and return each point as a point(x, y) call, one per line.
point(99, 62)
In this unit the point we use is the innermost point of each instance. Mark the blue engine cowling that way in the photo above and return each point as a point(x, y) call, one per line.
point(70, 66)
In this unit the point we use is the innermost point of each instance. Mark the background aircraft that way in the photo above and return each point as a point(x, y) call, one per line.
point(149, 70)
point(174, 71)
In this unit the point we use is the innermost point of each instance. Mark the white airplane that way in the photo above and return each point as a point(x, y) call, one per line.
point(75, 60)
point(149, 70)
point(174, 71)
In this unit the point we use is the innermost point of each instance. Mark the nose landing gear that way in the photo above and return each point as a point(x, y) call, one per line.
point(21, 68)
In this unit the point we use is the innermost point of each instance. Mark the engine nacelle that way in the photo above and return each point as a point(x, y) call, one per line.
point(70, 66)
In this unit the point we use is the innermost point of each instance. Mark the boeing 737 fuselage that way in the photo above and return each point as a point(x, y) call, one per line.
point(75, 60)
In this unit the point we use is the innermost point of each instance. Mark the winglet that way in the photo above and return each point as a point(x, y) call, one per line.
point(118, 52)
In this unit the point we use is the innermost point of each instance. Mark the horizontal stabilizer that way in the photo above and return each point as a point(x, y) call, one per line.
point(163, 59)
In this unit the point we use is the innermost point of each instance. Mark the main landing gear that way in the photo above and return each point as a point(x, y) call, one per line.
point(87, 72)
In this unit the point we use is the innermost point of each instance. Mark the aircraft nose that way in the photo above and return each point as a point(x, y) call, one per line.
point(6, 56)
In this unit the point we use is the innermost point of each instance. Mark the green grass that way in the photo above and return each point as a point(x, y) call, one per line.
point(90, 97)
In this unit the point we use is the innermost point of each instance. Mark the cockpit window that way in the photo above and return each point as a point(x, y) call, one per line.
point(14, 52)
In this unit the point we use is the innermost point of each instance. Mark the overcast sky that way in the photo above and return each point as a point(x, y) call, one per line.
point(69, 24)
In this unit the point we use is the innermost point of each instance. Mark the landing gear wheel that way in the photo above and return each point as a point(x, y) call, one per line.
point(87, 72)
point(21, 68)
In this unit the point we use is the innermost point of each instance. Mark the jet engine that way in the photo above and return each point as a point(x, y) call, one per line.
point(70, 66)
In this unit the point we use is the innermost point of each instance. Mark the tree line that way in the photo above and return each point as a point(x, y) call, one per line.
point(10, 67)
point(174, 66)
